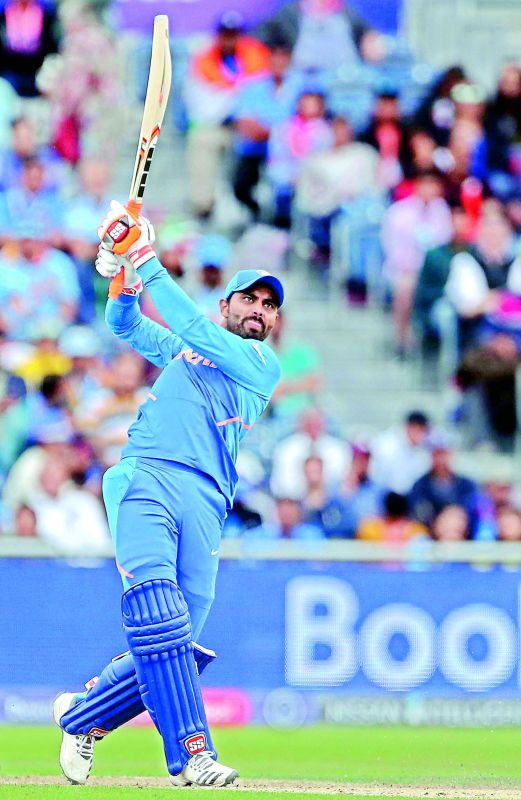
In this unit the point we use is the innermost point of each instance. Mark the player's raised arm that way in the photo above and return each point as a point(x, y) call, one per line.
point(236, 346)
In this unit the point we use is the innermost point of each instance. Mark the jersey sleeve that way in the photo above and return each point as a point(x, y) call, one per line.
point(248, 362)
point(151, 340)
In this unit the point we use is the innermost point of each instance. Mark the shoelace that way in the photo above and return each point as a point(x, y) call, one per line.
point(85, 745)
point(204, 761)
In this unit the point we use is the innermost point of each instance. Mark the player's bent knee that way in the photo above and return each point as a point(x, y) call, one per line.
point(156, 618)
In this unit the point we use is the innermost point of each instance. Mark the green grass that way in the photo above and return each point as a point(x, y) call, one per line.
point(421, 756)
point(109, 793)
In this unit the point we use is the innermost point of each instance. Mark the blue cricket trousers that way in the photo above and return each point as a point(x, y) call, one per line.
point(166, 521)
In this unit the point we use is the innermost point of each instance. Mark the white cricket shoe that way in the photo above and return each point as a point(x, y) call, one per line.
point(203, 770)
point(77, 750)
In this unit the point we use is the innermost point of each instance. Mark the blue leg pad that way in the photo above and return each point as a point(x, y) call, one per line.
point(113, 700)
point(157, 625)
point(115, 697)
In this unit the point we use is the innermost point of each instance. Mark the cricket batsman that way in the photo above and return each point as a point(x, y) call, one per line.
point(168, 497)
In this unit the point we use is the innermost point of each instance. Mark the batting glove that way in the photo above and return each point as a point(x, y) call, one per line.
point(124, 234)
point(108, 264)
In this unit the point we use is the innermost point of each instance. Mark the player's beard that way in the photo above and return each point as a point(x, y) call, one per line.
point(237, 326)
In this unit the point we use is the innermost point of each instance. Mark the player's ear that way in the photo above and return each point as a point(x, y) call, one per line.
point(224, 306)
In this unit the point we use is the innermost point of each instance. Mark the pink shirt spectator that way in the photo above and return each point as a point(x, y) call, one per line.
point(293, 141)
point(410, 228)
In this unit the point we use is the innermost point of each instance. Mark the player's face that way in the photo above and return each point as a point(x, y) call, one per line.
point(252, 313)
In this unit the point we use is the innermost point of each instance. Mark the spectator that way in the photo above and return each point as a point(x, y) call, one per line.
point(25, 524)
point(394, 526)
point(12, 386)
point(45, 357)
point(289, 455)
point(241, 519)
point(361, 497)
point(68, 518)
point(332, 177)
point(82, 347)
point(213, 252)
point(285, 24)
point(108, 419)
point(442, 487)
point(288, 524)
point(321, 507)
point(399, 455)
point(421, 153)
point(509, 524)
point(28, 33)
point(48, 406)
point(325, 38)
point(24, 476)
point(503, 122)
point(437, 111)
point(24, 146)
point(84, 87)
point(316, 495)
point(429, 292)
point(38, 287)
point(85, 470)
point(175, 239)
point(487, 376)
point(252, 503)
point(484, 282)
point(31, 203)
point(410, 228)
point(479, 148)
point(451, 524)
point(386, 133)
point(467, 153)
point(11, 105)
point(498, 485)
point(81, 219)
point(216, 74)
point(261, 103)
point(301, 377)
point(13, 407)
point(293, 141)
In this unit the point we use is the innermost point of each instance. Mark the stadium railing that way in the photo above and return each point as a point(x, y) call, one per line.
point(414, 553)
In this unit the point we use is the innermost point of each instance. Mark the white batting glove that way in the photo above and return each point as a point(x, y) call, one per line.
point(121, 233)
point(108, 264)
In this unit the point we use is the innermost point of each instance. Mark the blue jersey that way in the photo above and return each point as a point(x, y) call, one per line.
point(213, 388)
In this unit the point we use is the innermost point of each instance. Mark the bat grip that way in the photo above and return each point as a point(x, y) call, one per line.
point(116, 285)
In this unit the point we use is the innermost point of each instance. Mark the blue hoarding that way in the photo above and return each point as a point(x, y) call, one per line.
point(344, 642)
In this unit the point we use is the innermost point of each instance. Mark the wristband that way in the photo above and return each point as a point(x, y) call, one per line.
point(139, 257)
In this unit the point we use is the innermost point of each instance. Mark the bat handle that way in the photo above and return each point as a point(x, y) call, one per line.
point(116, 285)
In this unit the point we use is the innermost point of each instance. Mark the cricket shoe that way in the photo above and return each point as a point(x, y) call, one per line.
point(203, 770)
point(77, 750)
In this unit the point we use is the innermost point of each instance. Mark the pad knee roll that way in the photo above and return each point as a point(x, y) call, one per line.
point(155, 616)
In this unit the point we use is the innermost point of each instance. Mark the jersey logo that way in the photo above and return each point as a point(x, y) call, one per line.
point(259, 351)
point(194, 358)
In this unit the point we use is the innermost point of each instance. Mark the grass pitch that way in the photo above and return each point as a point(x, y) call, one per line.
point(363, 762)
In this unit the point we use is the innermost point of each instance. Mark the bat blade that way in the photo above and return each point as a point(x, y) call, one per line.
point(158, 89)
point(156, 99)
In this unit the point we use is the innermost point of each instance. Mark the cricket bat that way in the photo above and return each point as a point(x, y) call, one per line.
point(158, 89)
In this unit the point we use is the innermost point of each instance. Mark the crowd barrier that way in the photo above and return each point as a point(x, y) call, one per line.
point(337, 632)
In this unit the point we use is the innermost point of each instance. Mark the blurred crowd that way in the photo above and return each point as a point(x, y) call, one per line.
point(324, 131)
